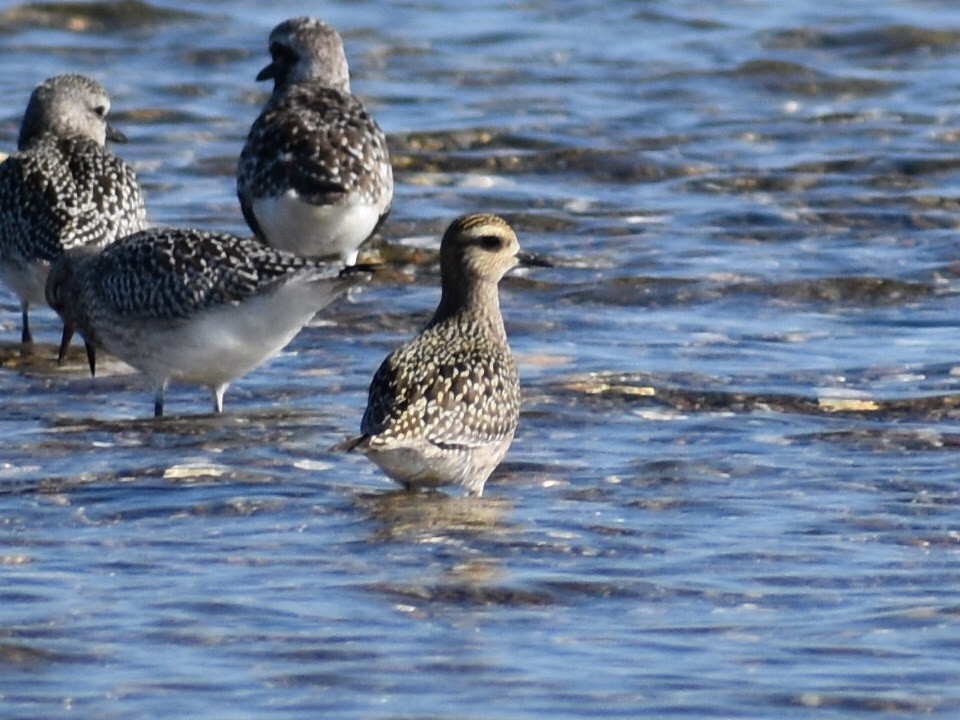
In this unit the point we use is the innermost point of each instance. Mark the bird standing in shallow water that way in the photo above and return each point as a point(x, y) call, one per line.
point(191, 305)
point(314, 176)
point(442, 409)
point(63, 189)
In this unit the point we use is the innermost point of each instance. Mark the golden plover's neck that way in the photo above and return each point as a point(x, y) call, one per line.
point(477, 302)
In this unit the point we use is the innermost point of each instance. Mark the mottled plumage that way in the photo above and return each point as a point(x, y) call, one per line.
point(314, 177)
point(187, 304)
point(63, 189)
point(442, 409)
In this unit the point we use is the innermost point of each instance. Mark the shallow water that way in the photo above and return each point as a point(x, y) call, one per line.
point(734, 491)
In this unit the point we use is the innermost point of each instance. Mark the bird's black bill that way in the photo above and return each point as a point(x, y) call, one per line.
point(114, 135)
point(268, 73)
point(526, 259)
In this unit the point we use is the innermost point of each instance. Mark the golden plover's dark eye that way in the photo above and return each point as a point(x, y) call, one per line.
point(491, 242)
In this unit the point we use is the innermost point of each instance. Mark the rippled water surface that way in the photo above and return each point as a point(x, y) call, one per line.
point(735, 491)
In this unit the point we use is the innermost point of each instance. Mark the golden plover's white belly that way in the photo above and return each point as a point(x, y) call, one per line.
point(423, 464)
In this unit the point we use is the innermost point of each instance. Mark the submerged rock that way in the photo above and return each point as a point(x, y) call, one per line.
point(90, 17)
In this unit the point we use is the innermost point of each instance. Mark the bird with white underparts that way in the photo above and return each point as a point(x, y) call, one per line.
point(181, 304)
point(442, 409)
point(314, 177)
point(63, 188)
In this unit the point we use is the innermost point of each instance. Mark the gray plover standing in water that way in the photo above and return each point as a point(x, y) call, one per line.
point(314, 177)
point(190, 305)
point(442, 409)
point(63, 189)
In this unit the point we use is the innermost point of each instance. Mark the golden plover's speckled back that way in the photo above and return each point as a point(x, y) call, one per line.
point(63, 189)
point(442, 409)
point(314, 176)
point(190, 305)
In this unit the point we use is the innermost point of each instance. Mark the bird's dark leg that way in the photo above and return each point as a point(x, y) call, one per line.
point(91, 357)
point(26, 337)
point(65, 342)
point(158, 399)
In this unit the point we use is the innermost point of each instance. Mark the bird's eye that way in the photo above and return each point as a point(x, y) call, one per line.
point(283, 53)
point(490, 242)
point(100, 110)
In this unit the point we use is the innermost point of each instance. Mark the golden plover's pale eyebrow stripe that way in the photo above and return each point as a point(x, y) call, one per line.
point(442, 409)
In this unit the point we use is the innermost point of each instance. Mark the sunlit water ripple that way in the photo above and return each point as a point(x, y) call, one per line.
point(734, 491)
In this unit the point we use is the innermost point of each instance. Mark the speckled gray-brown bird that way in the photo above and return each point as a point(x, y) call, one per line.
point(314, 177)
point(442, 409)
point(63, 189)
point(190, 305)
